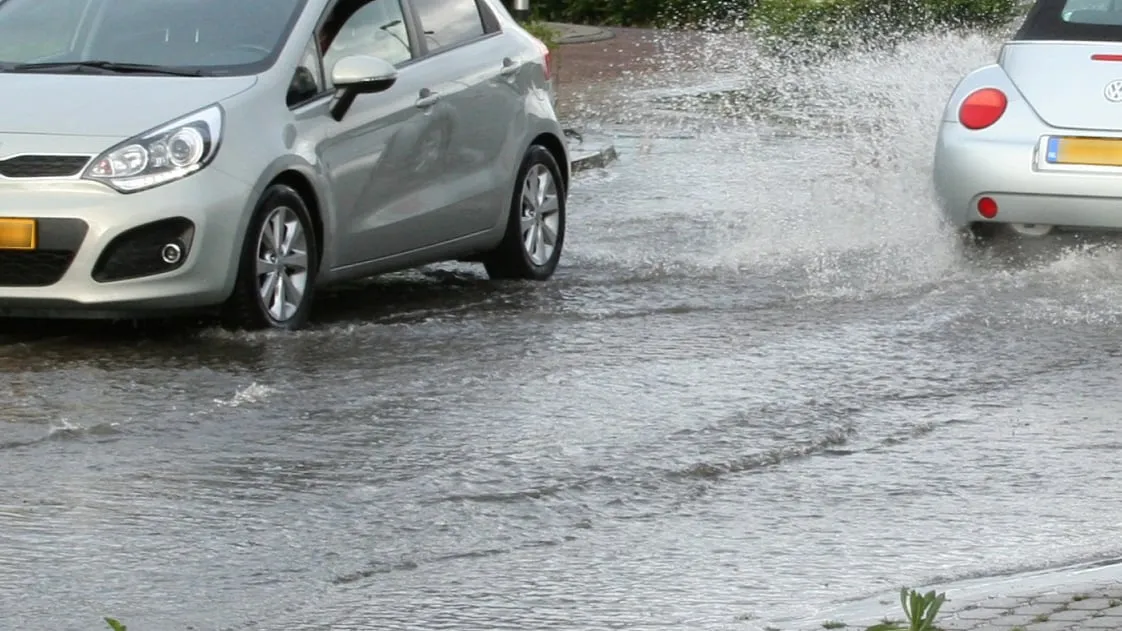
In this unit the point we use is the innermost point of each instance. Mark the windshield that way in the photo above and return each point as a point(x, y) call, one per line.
point(213, 36)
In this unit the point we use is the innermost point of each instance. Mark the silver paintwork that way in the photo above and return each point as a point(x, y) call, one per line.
point(360, 69)
point(1053, 89)
point(419, 173)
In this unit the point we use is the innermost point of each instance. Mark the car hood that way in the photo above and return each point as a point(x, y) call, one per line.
point(112, 106)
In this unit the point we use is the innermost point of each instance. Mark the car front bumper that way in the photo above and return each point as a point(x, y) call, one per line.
point(1011, 170)
point(100, 252)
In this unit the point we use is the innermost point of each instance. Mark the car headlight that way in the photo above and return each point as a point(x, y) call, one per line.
point(161, 155)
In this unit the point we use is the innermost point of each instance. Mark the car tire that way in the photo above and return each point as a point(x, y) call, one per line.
point(536, 217)
point(258, 301)
point(982, 235)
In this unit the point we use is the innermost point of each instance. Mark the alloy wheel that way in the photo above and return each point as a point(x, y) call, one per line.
point(540, 214)
point(282, 263)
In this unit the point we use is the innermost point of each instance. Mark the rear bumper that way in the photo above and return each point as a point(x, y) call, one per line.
point(1010, 170)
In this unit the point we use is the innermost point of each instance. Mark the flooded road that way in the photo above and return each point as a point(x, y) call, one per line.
point(764, 380)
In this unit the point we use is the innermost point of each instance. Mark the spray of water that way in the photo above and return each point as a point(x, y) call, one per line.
point(736, 162)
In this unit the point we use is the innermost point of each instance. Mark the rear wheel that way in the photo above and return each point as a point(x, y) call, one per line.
point(276, 274)
point(982, 233)
point(985, 233)
point(535, 231)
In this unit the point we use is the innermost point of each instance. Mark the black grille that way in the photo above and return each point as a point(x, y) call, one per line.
point(42, 166)
point(33, 269)
point(59, 240)
point(135, 253)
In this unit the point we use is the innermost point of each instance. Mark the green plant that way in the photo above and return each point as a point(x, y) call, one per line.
point(646, 13)
point(539, 29)
point(887, 624)
point(115, 625)
point(920, 610)
point(868, 15)
point(790, 27)
point(833, 624)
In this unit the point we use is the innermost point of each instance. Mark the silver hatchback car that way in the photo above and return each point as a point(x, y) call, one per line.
point(234, 155)
point(1033, 142)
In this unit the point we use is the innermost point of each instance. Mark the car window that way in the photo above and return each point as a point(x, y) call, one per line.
point(1092, 12)
point(365, 27)
point(308, 80)
point(209, 34)
point(449, 22)
point(1072, 20)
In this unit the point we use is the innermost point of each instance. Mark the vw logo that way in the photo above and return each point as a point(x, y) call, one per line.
point(1113, 91)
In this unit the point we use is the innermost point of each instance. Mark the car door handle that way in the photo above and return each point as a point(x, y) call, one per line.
point(428, 99)
point(509, 67)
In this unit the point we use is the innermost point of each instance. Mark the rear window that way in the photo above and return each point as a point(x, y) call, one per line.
point(1074, 20)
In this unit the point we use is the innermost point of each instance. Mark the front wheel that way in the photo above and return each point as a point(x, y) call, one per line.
point(277, 270)
point(535, 231)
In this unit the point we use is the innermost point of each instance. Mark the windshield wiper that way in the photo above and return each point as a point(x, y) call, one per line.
point(112, 67)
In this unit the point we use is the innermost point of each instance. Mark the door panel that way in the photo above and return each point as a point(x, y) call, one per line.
point(479, 111)
point(491, 145)
point(379, 157)
point(368, 156)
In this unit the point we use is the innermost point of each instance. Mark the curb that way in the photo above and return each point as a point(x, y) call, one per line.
point(584, 156)
point(579, 33)
point(585, 159)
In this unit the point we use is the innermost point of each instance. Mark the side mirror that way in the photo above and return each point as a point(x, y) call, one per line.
point(359, 74)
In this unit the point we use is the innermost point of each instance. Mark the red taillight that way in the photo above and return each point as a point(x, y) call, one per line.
point(987, 207)
point(547, 58)
point(1105, 57)
point(982, 108)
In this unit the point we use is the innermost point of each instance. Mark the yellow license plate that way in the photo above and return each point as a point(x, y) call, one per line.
point(1090, 151)
point(18, 234)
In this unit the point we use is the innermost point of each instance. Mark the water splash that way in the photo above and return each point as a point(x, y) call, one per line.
point(253, 393)
point(815, 177)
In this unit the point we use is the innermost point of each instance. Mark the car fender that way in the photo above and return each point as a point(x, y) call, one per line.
point(291, 163)
point(988, 76)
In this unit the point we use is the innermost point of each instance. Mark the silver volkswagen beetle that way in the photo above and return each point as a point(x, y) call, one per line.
point(1033, 142)
point(234, 155)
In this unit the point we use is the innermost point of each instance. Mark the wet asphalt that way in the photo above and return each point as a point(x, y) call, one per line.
point(763, 380)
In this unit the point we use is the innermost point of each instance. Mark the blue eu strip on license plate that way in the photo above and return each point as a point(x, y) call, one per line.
point(1052, 155)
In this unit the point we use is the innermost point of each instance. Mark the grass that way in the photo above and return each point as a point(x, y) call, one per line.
point(115, 625)
point(833, 624)
point(542, 31)
point(1041, 618)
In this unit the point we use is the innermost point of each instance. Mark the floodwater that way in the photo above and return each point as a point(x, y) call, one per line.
point(764, 380)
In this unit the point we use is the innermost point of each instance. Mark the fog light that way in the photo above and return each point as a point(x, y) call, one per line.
point(171, 253)
point(987, 208)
